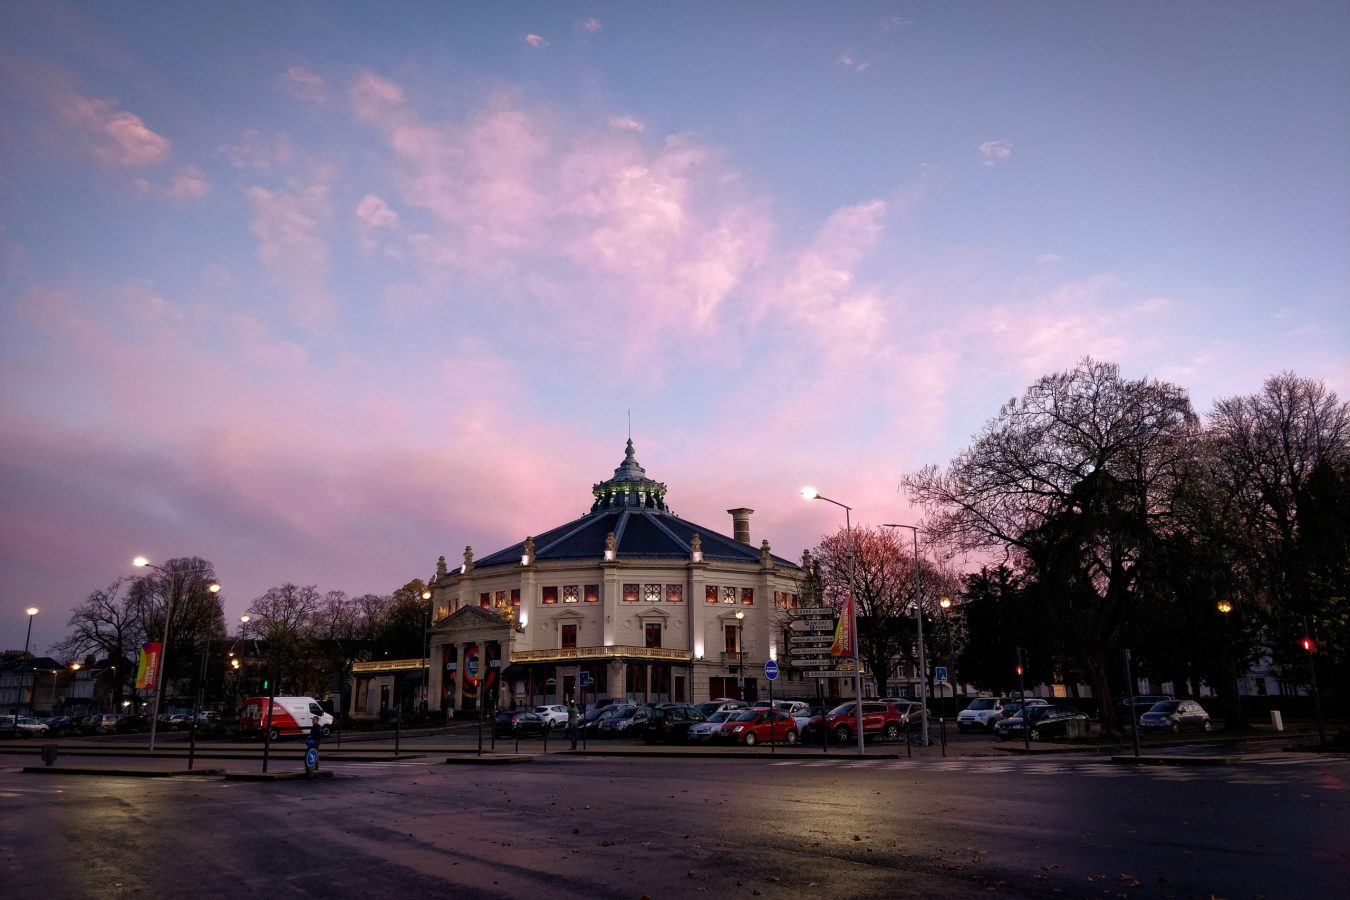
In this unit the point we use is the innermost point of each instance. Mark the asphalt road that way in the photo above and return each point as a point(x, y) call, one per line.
point(587, 827)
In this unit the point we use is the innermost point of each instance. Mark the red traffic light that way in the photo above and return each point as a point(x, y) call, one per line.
point(1308, 644)
point(1019, 670)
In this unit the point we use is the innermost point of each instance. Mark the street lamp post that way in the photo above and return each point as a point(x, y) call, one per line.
point(18, 697)
point(813, 494)
point(946, 603)
point(141, 562)
point(740, 649)
point(918, 617)
point(426, 645)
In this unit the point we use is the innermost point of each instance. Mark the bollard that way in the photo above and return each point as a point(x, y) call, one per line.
point(311, 758)
point(942, 732)
point(49, 753)
point(1277, 720)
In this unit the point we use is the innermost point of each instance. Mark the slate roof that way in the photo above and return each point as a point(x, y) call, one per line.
point(644, 530)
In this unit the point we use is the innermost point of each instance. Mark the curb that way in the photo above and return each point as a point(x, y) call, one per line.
point(488, 760)
point(1178, 760)
point(122, 773)
point(277, 776)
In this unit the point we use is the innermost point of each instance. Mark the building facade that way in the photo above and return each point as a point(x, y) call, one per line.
point(627, 601)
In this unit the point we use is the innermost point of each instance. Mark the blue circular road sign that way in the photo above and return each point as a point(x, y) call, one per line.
point(472, 665)
point(771, 670)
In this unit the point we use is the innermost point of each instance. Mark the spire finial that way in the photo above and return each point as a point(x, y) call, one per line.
point(630, 426)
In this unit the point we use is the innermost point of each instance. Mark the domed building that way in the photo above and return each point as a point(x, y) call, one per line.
point(628, 601)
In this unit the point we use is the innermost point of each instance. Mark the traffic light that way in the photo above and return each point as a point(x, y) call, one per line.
point(1019, 662)
point(1019, 670)
point(1308, 644)
point(267, 683)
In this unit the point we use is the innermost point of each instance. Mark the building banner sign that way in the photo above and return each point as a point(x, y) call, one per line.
point(148, 665)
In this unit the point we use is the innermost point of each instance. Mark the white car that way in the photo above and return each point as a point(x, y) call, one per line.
point(23, 725)
point(554, 716)
point(982, 713)
point(710, 729)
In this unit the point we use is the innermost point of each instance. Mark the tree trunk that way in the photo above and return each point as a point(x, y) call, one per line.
point(1095, 664)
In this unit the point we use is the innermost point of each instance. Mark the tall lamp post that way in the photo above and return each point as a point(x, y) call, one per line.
point(813, 494)
point(918, 617)
point(18, 698)
point(946, 603)
point(426, 645)
point(141, 562)
point(740, 649)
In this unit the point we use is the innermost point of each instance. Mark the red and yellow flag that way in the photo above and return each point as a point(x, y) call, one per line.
point(843, 634)
point(148, 666)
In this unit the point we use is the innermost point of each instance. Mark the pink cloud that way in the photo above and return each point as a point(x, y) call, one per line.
point(534, 40)
point(994, 152)
point(189, 184)
point(591, 26)
point(253, 152)
point(115, 137)
point(625, 123)
point(303, 84)
point(287, 224)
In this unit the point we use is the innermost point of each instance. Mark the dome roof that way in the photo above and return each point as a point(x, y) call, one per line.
point(632, 507)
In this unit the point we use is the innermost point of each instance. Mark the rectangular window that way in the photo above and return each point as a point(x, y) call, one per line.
point(551, 594)
point(515, 596)
point(569, 637)
point(780, 600)
point(728, 594)
point(630, 592)
point(571, 593)
point(747, 596)
point(485, 600)
point(796, 602)
point(710, 593)
point(674, 593)
point(501, 599)
point(651, 593)
point(592, 593)
point(730, 633)
point(652, 634)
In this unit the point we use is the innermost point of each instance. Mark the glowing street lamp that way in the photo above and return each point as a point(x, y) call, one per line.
point(810, 493)
point(18, 698)
point(141, 562)
point(1225, 607)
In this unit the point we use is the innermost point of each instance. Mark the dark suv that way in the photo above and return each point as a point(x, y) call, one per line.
point(671, 723)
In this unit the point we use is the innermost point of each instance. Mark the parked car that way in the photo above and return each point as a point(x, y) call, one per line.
point(1045, 721)
point(982, 713)
point(101, 722)
point(808, 722)
point(671, 723)
point(754, 726)
point(911, 712)
point(1175, 716)
point(131, 724)
point(716, 706)
point(710, 729)
point(617, 725)
point(1014, 707)
point(880, 719)
point(555, 715)
point(509, 723)
point(61, 725)
point(22, 726)
point(1140, 704)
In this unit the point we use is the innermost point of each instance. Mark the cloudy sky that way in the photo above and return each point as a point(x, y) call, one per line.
point(323, 291)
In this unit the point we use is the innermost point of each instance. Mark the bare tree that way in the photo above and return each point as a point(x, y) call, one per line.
point(107, 623)
point(1074, 479)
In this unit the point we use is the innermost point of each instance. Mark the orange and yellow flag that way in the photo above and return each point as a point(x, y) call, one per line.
point(843, 635)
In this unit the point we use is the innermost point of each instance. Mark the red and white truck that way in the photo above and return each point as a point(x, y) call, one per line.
point(290, 715)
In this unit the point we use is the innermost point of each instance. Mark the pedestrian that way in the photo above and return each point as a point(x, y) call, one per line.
point(572, 722)
point(315, 731)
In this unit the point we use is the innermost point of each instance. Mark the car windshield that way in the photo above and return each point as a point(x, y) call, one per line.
point(982, 703)
point(748, 715)
point(1166, 706)
point(842, 709)
point(626, 713)
point(721, 716)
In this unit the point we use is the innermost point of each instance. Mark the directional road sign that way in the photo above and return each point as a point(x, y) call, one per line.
point(829, 673)
point(823, 637)
point(812, 625)
point(770, 670)
point(801, 615)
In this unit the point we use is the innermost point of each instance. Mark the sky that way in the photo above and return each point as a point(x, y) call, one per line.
point(321, 292)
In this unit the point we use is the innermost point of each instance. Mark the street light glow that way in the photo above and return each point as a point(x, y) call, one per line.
point(810, 493)
point(1225, 607)
point(214, 587)
point(32, 610)
point(945, 602)
point(140, 562)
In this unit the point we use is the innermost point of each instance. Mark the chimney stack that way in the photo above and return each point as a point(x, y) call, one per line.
point(740, 522)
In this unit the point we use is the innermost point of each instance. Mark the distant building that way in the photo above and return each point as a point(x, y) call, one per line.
point(627, 601)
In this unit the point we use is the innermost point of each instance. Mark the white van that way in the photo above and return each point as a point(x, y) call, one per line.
point(290, 715)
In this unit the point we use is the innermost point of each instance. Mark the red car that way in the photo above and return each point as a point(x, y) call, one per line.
point(754, 726)
point(880, 719)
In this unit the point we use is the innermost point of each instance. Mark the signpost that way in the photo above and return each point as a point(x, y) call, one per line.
point(771, 673)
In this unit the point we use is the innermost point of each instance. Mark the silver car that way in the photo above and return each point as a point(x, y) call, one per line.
point(1174, 716)
point(710, 729)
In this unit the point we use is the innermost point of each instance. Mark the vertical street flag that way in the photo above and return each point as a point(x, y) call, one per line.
point(843, 634)
point(148, 666)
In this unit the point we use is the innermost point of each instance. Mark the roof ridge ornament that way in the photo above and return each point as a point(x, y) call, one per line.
point(629, 487)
